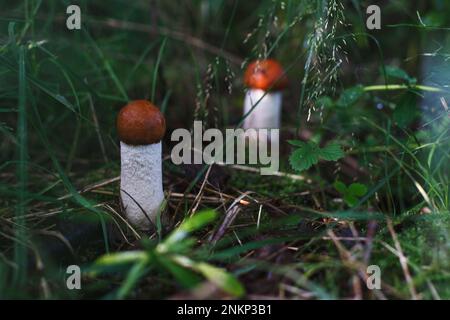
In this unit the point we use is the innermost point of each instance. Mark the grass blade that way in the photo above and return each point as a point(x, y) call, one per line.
point(155, 72)
point(20, 251)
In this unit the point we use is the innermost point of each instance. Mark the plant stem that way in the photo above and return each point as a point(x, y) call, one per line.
point(391, 87)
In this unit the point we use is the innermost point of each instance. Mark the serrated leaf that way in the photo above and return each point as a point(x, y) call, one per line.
point(304, 157)
point(331, 152)
point(340, 187)
point(350, 96)
point(357, 189)
point(309, 153)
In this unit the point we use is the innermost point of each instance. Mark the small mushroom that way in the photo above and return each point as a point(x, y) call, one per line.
point(141, 126)
point(265, 80)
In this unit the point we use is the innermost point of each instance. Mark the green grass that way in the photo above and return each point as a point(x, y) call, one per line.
point(375, 94)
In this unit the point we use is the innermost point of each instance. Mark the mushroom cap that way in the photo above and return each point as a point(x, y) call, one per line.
point(265, 75)
point(140, 123)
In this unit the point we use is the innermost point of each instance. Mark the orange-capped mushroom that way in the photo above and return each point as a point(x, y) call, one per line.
point(265, 80)
point(140, 123)
point(265, 75)
point(141, 126)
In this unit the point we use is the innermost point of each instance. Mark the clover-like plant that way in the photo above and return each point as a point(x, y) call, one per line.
point(352, 193)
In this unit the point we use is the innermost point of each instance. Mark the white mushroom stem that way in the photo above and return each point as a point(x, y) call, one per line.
point(141, 183)
point(267, 113)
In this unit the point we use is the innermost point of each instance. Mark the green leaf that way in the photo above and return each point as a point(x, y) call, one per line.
point(357, 189)
point(218, 276)
point(398, 73)
point(134, 275)
point(340, 187)
point(186, 277)
point(350, 96)
point(352, 193)
point(331, 152)
point(121, 258)
point(178, 246)
point(350, 199)
point(309, 153)
point(221, 278)
point(304, 157)
point(198, 220)
point(188, 225)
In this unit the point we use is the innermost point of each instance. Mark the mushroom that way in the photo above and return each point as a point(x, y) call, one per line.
point(265, 80)
point(141, 126)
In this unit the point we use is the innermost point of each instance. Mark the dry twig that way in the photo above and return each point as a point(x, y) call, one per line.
point(403, 261)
